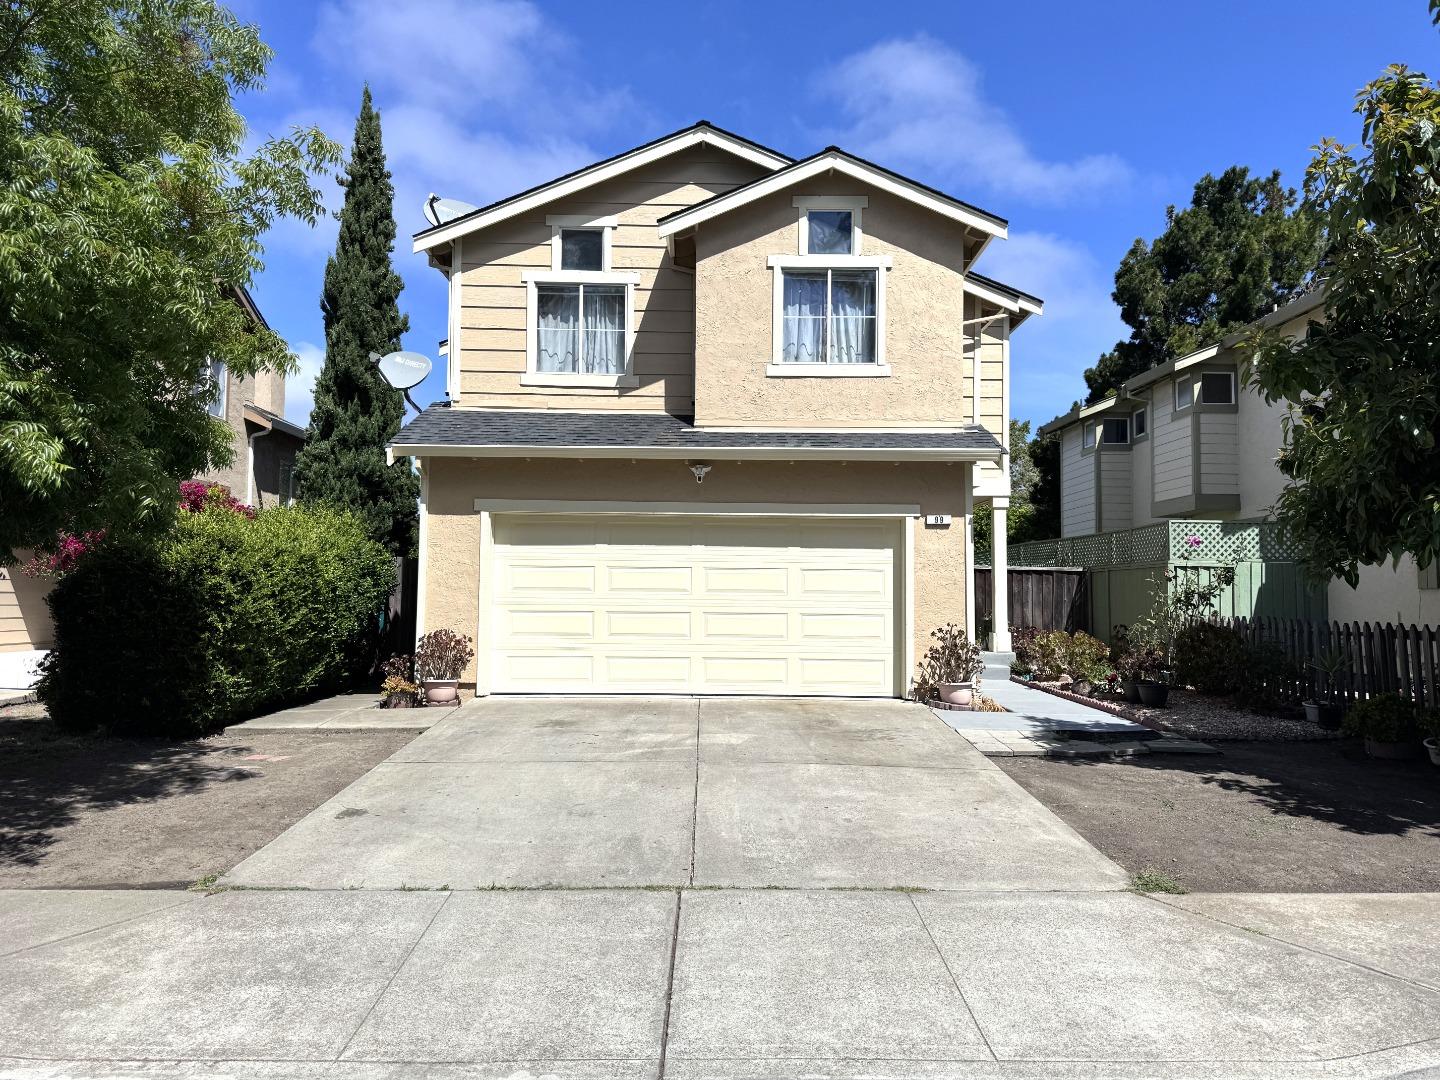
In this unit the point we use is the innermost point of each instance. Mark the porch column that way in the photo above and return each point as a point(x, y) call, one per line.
point(968, 542)
point(1000, 576)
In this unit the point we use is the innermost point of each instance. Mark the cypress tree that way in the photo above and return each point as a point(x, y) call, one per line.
point(356, 412)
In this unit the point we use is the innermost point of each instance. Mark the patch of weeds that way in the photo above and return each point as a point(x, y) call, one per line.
point(1156, 881)
point(205, 884)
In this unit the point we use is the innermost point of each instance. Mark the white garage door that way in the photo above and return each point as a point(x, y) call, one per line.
point(686, 604)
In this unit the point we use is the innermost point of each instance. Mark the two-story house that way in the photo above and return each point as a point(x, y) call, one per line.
point(1191, 439)
point(717, 423)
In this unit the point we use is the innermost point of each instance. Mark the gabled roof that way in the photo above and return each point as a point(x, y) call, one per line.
point(833, 159)
point(701, 132)
point(1284, 313)
point(1021, 304)
point(271, 421)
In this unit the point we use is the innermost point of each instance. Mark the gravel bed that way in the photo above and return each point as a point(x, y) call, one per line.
point(1207, 719)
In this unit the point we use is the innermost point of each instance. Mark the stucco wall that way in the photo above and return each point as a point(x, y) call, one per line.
point(493, 292)
point(924, 305)
point(266, 389)
point(1386, 595)
point(453, 526)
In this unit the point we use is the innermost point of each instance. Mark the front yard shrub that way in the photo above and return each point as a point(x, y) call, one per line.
point(1085, 658)
point(1209, 658)
point(1388, 718)
point(1049, 654)
point(222, 618)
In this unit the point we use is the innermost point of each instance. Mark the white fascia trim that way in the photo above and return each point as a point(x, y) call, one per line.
point(1098, 407)
point(596, 175)
point(696, 453)
point(1197, 357)
point(827, 371)
point(573, 506)
point(829, 262)
point(823, 164)
point(1000, 300)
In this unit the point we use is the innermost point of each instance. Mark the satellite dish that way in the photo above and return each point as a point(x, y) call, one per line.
point(438, 210)
point(402, 370)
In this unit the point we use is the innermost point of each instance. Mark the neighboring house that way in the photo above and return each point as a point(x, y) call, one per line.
point(1190, 439)
point(264, 445)
point(261, 473)
point(718, 422)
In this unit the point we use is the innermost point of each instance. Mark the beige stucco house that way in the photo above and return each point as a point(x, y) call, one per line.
point(718, 420)
point(1192, 439)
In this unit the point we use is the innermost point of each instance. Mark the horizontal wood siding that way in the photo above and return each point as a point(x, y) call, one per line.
point(1077, 481)
point(1115, 510)
point(1170, 438)
point(1219, 458)
point(493, 293)
point(24, 617)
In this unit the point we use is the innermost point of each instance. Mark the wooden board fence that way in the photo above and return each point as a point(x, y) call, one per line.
point(1377, 659)
point(1045, 597)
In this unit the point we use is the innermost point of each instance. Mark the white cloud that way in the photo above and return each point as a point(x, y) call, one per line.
point(300, 387)
point(916, 103)
point(1049, 354)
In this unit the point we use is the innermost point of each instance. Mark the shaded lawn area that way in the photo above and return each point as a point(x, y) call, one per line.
point(87, 812)
point(1261, 817)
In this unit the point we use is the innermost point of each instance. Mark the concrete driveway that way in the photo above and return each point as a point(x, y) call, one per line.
point(728, 890)
point(529, 793)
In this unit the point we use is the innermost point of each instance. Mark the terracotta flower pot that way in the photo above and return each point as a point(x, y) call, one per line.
point(442, 691)
point(959, 693)
point(1391, 751)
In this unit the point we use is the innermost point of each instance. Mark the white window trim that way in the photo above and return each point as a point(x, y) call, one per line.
point(1229, 375)
point(1188, 399)
point(1136, 436)
point(533, 376)
point(778, 265)
point(855, 204)
point(1088, 436)
point(604, 225)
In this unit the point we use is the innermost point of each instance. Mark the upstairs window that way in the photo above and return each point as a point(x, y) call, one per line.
point(1087, 437)
point(1217, 388)
point(212, 384)
point(582, 249)
point(1139, 423)
point(829, 317)
point(581, 329)
point(1116, 432)
point(831, 232)
point(1184, 393)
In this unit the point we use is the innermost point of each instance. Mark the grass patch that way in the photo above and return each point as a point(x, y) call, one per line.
point(1156, 881)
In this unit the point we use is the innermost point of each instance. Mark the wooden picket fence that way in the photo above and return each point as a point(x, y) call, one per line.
point(1379, 659)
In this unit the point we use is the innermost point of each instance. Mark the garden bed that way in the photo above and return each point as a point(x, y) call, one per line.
point(1200, 717)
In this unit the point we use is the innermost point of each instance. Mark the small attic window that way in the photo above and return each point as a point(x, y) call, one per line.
point(830, 224)
point(582, 249)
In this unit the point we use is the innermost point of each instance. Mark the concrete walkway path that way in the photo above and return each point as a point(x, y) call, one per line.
point(355, 711)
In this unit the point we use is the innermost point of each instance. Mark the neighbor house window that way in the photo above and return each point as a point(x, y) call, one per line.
point(1116, 432)
point(1184, 393)
point(1138, 423)
point(1217, 388)
point(1087, 437)
point(829, 317)
point(213, 385)
point(581, 329)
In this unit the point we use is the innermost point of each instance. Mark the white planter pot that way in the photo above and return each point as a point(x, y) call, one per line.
point(442, 691)
point(960, 693)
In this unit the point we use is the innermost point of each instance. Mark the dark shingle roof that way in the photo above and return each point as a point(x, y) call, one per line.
point(440, 425)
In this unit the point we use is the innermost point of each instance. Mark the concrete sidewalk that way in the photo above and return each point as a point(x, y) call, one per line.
point(696, 984)
point(355, 711)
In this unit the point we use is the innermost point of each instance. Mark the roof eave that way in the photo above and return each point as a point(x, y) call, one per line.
point(694, 453)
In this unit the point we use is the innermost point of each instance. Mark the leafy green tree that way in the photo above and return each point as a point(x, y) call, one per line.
point(129, 215)
point(356, 411)
point(1364, 382)
point(1043, 521)
point(1020, 519)
point(1229, 257)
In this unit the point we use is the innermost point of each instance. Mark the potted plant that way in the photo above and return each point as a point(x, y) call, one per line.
point(951, 668)
point(1389, 724)
point(440, 660)
point(1432, 744)
point(1325, 710)
point(1138, 667)
point(398, 691)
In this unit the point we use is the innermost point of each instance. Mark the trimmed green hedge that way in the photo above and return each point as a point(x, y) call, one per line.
point(221, 619)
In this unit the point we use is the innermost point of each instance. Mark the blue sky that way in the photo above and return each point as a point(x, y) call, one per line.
point(1078, 123)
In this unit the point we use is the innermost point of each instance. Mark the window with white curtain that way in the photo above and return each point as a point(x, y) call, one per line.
point(580, 329)
point(212, 384)
point(829, 317)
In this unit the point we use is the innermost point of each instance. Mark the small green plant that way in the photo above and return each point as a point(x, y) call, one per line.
point(953, 658)
point(1156, 881)
point(1388, 718)
point(1330, 663)
point(205, 884)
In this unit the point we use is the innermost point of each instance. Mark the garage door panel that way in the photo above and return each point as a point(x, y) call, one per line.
point(668, 625)
point(700, 605)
